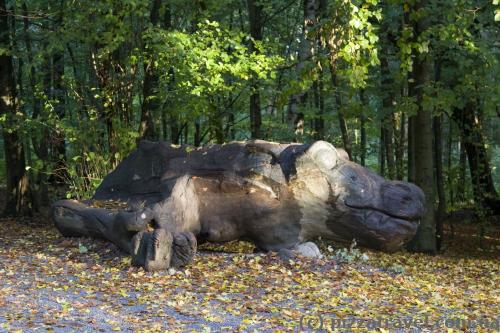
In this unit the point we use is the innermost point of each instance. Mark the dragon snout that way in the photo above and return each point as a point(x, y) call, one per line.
point(403, 200)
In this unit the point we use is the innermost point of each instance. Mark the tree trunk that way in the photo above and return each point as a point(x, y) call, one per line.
point(381, 152)
point(306, 52)
point(483, 188)
point(438, 162)
point(363, 129)
point(164, 125)
point(411, 149)
point(197, 133)
point(58, 93)
point(462, 169)
point(319, 121)
point(255, 18)
point(230, 130)
point(319, 103)
point(174, 131)
point(425, 239)
point(149, 105)
point(400, 149)
point(345, 133)
point(186, 133)
point(255, 116)
point(150, 101)
point(389, 148)
point(449, 159)
point(363, 140)
point(39, 137)
point(216, 124)
point(387, 101)
point(342, 122)
point(411, 118)
point(18, 201)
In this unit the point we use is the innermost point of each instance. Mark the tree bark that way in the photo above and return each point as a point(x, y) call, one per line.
point(39, 137)
point(319, 103)
point(255, 18)
point(164, 125)
point(147, 128)
point(438, 162)
point(400, 149)
point(462, 170)
point(449, 153)
point(483, 186)
point(174, 131)
point(411, 149)
point(342, 122)
point(197, 133)
point(381, 152)
point(389, 147)
point(387, 100)
point(58, 93)
point(306, 52)
point(216, 124)
point(411, 118)
point(345, 133)
point(363, 129)
point(319, 121)
point(425, 239)
point(18, 201)
point(186, 133)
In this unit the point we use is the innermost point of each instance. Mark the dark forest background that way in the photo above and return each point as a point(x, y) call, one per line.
point(407, 88)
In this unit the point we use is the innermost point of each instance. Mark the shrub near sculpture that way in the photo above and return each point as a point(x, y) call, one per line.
point(278, 196)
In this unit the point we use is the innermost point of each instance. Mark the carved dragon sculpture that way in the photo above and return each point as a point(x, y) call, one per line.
point(275, 195)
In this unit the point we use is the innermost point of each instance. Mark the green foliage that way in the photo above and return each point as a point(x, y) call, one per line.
point(350, 255)
point(202, 72)
point(85, 173)
point(205, 67)
point(352, 39)
point(397, 268)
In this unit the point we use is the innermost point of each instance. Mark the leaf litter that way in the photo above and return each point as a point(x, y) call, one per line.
point(52, 283)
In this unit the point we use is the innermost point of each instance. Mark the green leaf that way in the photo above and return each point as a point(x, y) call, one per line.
point(82, 249)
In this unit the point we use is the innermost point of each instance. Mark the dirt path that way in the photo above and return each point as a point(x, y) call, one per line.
point(48, 283)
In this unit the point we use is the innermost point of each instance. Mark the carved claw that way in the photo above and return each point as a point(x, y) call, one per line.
point(160, 249)
point(152, 250)
point(184, 249)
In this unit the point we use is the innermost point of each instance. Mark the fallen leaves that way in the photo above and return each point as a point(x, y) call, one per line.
point(49, 282)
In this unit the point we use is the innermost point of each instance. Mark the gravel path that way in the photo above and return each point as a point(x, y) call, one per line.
point(48, 283)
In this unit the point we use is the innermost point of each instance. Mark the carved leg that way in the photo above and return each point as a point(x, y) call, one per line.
point(76, 219)
point(154, 250)
point(184, 249)
point(160, 249)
